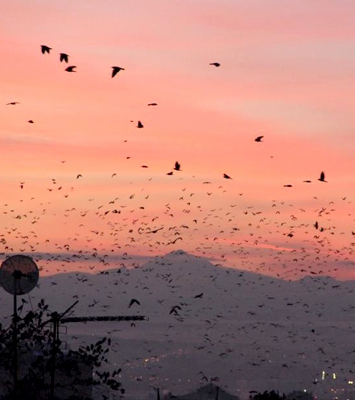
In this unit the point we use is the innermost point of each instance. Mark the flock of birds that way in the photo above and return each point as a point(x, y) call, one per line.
point(197, 216)
point(64, 57)
point(205, 324)
point(122, 232)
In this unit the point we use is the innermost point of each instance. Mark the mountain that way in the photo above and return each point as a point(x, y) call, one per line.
point(252, 332)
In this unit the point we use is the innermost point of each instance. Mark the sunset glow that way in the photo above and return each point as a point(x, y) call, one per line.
point(83, 186)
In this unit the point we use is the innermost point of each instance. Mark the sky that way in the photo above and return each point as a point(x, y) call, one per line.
point(74, 192)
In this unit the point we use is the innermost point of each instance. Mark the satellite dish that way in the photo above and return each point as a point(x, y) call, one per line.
point(19, 274)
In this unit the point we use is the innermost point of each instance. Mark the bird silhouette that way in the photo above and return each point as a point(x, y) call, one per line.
point(45, 49)
point(225, 176)
point(116, 70)
point(174, 309)
point(152, 104)
point(215, 64)
point(177, 166)
point(259, 139)
point(12, 103)
point(322, 177)
point(140, 125)
point(134, 301)
point(63, 57)
point(70, 68)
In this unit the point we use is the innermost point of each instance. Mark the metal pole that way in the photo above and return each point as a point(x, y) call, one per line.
point(217, 392)
point(55, 318)
point(14, 338)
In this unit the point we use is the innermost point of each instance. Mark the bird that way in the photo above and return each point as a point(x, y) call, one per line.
point(140, 125)
point(288, 185)
point(215, 64)
point(70, 68)
point(63, 57)
point(12, 103)
point(259, 139)
point(174, 310)
point(170, 173)
point(30, 121)
point(79, 176)
point(134, 301)
point(116, 70)
point(225, 176)
point(45, 49)
point(152, 104)
point(322, 177)
point(177, 166)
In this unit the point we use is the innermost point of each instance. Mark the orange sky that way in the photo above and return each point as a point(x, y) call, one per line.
point(286, 73)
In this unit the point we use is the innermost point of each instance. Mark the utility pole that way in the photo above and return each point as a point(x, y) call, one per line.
point(56, 319)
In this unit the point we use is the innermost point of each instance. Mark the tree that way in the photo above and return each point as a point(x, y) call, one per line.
point(299, 395)
point(268, 396)
point(76, 372)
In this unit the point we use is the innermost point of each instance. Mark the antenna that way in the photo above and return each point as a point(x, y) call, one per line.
point(18, 275)
point(57, 318)
point(158, 392)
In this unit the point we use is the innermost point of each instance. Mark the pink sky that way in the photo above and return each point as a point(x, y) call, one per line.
point(286, 73)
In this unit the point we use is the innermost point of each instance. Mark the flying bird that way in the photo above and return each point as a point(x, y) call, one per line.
point(30, 121)
point(45, 49)
point(79, 176)
point(225, 176)
point(259, 139)
point(12, 103)
point(116, 70)
point(134, 301)
point(140, 125)
point(152, 104)
point(215, 64)
point(287, 185)
point(70, 68)
point(322, 177)
point(174, 310)
point(177, 166)
point(63, 57)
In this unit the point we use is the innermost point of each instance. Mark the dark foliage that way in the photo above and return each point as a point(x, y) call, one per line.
point(76, 371)
point(268, 396)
